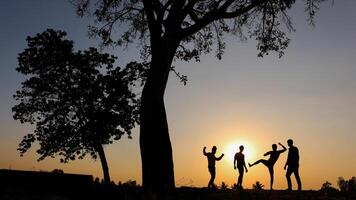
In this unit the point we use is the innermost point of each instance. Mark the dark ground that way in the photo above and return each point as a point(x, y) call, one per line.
point(136, 193)
point(28, 185)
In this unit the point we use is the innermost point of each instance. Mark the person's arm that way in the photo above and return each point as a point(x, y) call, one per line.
point(235, 162)
point(222, 155)
point(245, 165)
point(204, 152)
point(288, 160)
point(284, 148)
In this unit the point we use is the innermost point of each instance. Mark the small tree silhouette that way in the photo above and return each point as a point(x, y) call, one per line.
point(347, 185)
point(352, 184)
point(258, 186)
point(343, 184)
point(78, 101)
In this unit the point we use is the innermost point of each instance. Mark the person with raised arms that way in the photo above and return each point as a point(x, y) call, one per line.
point(211, 164)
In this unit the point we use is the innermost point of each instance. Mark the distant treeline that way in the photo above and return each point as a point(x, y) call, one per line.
point(344, 185)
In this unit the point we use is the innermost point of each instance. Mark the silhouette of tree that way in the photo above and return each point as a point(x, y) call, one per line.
point(352, 184)
point(78, 101)
point(258, 186)
point(347, 185)
point(183, 30)
point(343, 184)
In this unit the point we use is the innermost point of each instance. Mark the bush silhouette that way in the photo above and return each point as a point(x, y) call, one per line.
point(258, 186)
point(223, 186)
point(328, 188)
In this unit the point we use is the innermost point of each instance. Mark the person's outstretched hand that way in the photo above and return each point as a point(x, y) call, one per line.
point(234, 167)
point(246, 170)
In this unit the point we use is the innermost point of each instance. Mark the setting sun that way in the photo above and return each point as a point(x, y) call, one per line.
point(233, 147)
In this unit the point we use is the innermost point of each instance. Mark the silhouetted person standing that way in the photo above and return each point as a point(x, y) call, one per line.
point(211, 164)
point(273, 157)
point(293, 165)
point(239, 163)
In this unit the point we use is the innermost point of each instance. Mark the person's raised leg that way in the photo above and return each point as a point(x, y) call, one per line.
point(257, 162)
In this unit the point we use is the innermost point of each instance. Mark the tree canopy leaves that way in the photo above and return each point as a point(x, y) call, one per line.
point(198, 25)
point(76, 99)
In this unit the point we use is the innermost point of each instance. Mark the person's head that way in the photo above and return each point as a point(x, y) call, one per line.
point(213, 150)
point(274, 147)
point(241, 148)
point(290, 142)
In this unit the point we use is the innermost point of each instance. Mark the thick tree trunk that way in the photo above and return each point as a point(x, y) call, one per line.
point(104, 163)
point(156, 149)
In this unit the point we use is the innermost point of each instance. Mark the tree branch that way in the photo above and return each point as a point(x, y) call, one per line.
point(149, 10)
point(158, 9)
point(175, 16)
point(219, 14)
point(169, 2)
point(243, 10)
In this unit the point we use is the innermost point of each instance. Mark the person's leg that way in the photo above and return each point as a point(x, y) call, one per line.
point(257, 162)
point(271, 173)
point(288, 174)
point(296, 174)
point(212, 177)
point(241, 175)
